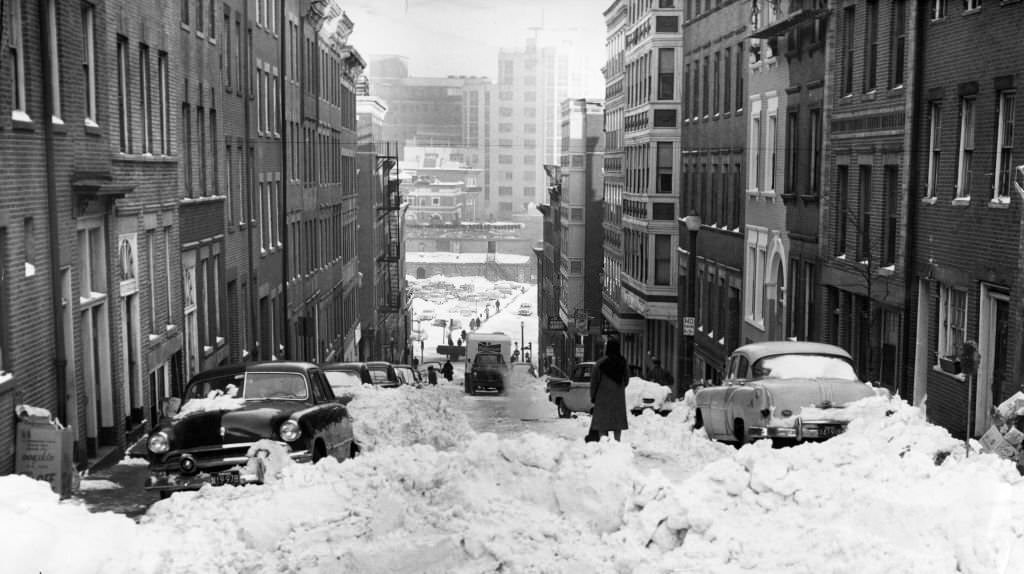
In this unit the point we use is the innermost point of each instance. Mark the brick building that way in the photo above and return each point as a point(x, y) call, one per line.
point(966, 269)
point(868, 98)
point(712, 176)
point(783, 177)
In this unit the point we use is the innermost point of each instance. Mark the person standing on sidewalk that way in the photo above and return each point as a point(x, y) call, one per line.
point(608, 381)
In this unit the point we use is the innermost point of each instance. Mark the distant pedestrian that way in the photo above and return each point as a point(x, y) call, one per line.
point(497, 306)
point(463, 337)
point(608, 381)
point(431, 375)
point(658, 374)
point(447, 370)
point(450, 342)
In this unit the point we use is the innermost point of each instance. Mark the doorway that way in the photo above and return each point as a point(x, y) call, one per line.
point(993, 331)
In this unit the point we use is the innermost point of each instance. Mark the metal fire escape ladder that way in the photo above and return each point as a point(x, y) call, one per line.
point(390, 255)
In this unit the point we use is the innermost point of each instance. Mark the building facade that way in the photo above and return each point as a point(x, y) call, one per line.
point(964, 276)
point(713, 178)
point(868, 110)
point(783, 176)
point(652, 65)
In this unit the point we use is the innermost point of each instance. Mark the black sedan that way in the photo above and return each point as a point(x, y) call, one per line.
point(225, 411)
point(345, 377)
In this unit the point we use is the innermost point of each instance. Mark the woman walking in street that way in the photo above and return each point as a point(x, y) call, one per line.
point(608, 381)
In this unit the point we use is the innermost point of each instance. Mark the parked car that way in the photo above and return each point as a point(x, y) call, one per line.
point(767, 386)
point(344, 377)
point(525, 309)
point(571, 394)
point(408, 375)
point(383, 374)
point(426, 314)
point(226, 410)
point(488, 371)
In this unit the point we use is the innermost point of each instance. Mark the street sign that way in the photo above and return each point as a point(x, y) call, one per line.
point(689, 325)
point(579, 352)
point(556, 324)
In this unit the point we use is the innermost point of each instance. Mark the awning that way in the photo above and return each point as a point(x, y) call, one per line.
point(93, 187)
point(791, 20)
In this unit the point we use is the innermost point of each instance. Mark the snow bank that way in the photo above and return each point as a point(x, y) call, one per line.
point(875, 499)
point(639, 389)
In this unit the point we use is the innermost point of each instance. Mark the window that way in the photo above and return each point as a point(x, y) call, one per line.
point(212, 30)
point(864, 215)
point(952, 320)
point(5, 366)
point(898, 51)
point(261, 99)
point(754, 270)
point(963, 170)
point(871, 47)
point(727, 73)
point(186, 136)
point(716, 85)
point(200, 13)
point(666, 73)
point(892, 207)
point(227, 58)
point(51, 23)
point(144, 101)
point(165, 106)
point(665, 167)
point(705, 92)
point(740, 95)
point(849, 13)
point(215, 149)
point(938, 9)
point(29, 240)
point(124, 130)
point(505, 159)
point(17, 60)
point(662, 259)
point(185, 12)
point(934, 149)
point(89, 62)
point(842, 208)
point(1004, 146)
point(201, 124)
point(754, 146)
point(792, 124)
point(769, 152)
point(815, 164)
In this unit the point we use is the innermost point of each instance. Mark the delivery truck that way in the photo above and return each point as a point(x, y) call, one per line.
point(488, 358)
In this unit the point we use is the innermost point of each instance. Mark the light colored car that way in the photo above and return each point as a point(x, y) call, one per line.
point(571, 394)
point(426, 314)
point(525, 309)
point(767, 385)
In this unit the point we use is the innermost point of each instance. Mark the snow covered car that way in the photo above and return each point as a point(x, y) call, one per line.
point(768, 384)
point(525, 309)
point(346, 377)
point(408, 375)
point(383, 374)
point(571, 394)
point(227, 410)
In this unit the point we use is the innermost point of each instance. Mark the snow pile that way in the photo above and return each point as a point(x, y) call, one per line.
point(216, 401)
point(870, 500)
point(405, 416)
point(639, 389)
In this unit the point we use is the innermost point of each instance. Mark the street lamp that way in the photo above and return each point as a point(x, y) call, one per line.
point(692, 223)
point(522, 337)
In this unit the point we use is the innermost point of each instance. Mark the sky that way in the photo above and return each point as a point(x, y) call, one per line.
point(463, 37)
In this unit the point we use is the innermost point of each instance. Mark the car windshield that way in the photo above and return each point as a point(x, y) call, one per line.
point(406, 375)
point(379, 374)
point(804, 367)
point(274, 386)
point(340, 380)
point(488, 359)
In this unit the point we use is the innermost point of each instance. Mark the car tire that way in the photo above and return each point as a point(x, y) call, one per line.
point(698, 420)
point(739, 432)
point(354, 450)
point(165, 494)
point(563, 411)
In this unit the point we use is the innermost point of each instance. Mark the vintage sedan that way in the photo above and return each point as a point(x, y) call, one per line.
point(382, 374)
point(346, 378)
point(767, 386)
point(571, 394)
point(226, 410)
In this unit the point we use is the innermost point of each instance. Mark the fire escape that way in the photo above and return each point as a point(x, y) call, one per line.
point(388, 223)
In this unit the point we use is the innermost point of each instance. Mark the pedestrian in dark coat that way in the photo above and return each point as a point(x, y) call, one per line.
point(447, 371)
point(431, 375)
point(608, 381)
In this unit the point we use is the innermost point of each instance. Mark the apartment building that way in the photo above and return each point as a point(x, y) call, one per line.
point(785, 100)
point(964, 272)
point(869, 100)
point(617, 317)
point(651, 103)
point(713, 180)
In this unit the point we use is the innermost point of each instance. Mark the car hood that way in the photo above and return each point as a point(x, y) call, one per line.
point(794, 394)
point(255, 420)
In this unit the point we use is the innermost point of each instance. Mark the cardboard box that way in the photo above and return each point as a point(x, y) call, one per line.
point(993, 441)
point(1011, 407)
point(1014, 437)
point(44, 452)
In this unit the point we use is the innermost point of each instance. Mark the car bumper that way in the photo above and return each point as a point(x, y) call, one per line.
point(802, 430)
point(214, 473)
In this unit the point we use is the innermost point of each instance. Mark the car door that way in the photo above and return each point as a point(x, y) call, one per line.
point(578, 398)
point(332, 414)
point(719, 404)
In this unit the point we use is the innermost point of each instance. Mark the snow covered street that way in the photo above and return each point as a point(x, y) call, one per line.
point(450, 482)
point(453, 483)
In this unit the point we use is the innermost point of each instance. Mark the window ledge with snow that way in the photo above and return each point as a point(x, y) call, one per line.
point(929, 199)
point(19, 116)
point(171, 327)
point(961, 201)
point(887, 270)
point(959, 377)
point(220, 341)
point(207, 349)
point(30, 270)
point(153, 337)
point(1001, 202)
point(5, 378)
